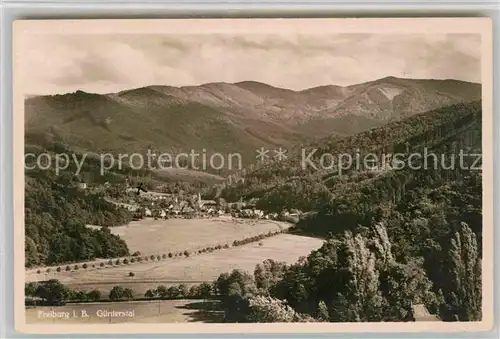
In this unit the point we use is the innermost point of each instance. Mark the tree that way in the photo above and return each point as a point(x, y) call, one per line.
point(464, 294)
point(194, 291)
point(94, 295)
point(404, 283)
point(264, 309)
point(150, 294)
point(30, 289)
point(183, 291)
point(382, 245)
point(128, 293)
point(80, 296)
point(161, 291)
point(322, 312)
point(53, 292)
point(116, 293)
point(363, 295)
point(205, 290)
point(268, 274)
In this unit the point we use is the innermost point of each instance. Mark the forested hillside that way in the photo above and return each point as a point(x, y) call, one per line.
point(394, 238)
point(56, 212)
point(303, 184)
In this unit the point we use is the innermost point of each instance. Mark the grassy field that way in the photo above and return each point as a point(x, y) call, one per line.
point(195, 269)
point(166, 311)
point(158, 237)
point(151, 236)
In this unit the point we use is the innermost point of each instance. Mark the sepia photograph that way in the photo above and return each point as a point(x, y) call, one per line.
point(203, 175)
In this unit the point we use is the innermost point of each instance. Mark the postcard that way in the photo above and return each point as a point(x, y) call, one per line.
point(253, 175)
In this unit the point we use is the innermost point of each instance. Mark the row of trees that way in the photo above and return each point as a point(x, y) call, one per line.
point(257, 238)
point(54, 293)
point(137, 258)
point(200, 291)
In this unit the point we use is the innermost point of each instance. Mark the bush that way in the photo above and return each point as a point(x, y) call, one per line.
point(152, 257)
point(125, 261)
point(164, 256)
point(131, 274)
point(58, 269)
point(85, 266)
point(158, 257)
point(68, 268)
point(110, 262)
point(76, 267)
point(132, 260)
point(128, 293)
point(116, 293)
point(48, 270)
point(136, 254)
point(260, 243)
point(94, 295)
point(170, 255)
point(186, 253)
point(101, 264)
point(150, 294)
point(38, 271)
point(93, 265)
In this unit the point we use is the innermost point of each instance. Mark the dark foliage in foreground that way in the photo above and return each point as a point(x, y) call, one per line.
point(56, 213)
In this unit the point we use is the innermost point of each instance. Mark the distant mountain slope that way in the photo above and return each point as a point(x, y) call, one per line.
point(223, 117)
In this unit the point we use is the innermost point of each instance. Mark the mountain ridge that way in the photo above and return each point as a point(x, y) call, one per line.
point(228, 117)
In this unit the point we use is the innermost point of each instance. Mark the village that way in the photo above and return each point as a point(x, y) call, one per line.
point(157, 205)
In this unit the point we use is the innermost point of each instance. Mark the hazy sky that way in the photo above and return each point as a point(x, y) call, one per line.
point(110, 63)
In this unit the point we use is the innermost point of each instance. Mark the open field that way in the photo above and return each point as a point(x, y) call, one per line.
point(151, 236)
point(195, 269)
point(157, 237)
point(158, 311)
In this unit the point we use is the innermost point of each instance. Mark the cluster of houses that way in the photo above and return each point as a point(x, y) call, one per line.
point(164, 206)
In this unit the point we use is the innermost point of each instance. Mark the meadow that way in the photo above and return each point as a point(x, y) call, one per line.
point(161, 237)
point(192, 270)
point(150, 236)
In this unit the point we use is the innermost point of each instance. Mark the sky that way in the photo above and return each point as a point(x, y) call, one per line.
point(110, 63)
